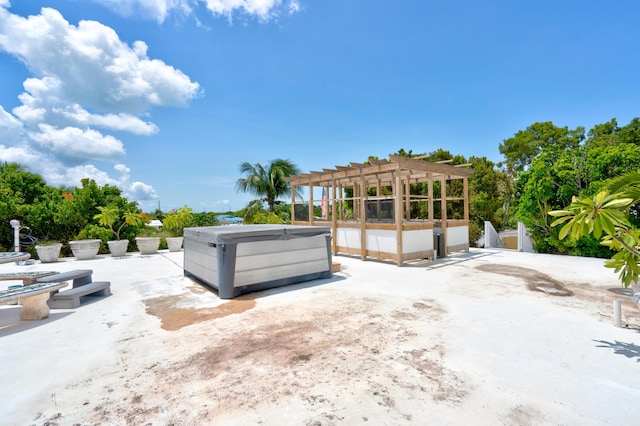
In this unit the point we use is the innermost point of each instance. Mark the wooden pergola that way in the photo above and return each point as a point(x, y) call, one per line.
point(388, 209)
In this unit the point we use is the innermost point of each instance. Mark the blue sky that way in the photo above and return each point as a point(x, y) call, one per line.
point(166, 98)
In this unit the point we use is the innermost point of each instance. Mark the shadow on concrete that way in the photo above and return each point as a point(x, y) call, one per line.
point(630, 350)
point(453, 259)
point(621, 291)
point(272, 291)
point(10, 322)
point(293, 287)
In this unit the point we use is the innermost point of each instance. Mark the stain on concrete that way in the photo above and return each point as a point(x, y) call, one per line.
point(173, 317)
point(535, 280)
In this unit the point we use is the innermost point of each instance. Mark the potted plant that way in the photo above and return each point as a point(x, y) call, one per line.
point(48, 251)
point(108, 216)
point(174, 223)
point(85, 249)
point(148, 244)
point(148, 241)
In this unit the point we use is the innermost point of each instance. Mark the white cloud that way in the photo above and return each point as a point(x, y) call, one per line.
point(120, 122)
point(84, 78)
point(74, 175)
point(261, 8)
point(132, 190)
point(122, 78)
point(21, 155)
point(294, 7)
point(72, 145)
point(140, 191)
point(10, 128)
point(161, 9)
point(122, 169)
point(155, 9)
point(265, 10)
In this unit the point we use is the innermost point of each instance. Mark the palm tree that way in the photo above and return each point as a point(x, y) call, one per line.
point(267, 183)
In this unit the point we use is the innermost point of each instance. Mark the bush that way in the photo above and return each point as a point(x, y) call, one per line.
point(265, 217)
point(474, 233)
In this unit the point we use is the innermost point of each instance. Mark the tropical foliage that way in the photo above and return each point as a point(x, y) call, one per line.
point(116, 220)
point(562, 170)
point(176, 220)
point(610, 216)
point(268, 182)
point(64, 214)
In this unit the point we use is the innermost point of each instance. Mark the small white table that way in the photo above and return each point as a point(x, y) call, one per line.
point(13, 256)
point(26, 277)
point(34, 299)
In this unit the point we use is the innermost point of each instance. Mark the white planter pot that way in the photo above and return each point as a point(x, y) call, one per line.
point(85, 249)
point(174, 243)
point(118, 248)
point(49, 253)
point(148, 245)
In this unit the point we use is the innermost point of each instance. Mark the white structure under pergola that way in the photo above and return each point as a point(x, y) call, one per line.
point(400, 209)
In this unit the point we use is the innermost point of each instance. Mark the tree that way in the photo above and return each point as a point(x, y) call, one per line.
point(631, 132)
point(524, 146)
point(605, 159)
point(486, 199)
point(560, 171)
point(24, 196)
point(607, 216)
point(608, 128)
point(176, 220)
point(538, 193)
point(112, 217)
point(267, 183)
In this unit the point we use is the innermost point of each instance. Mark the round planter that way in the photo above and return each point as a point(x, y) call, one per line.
point(118, 248)
point(174, 243)
point(49, 253)
point(148, 245)
point(85, 249)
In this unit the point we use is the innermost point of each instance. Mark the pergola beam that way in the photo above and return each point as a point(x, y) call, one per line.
point(383, 170)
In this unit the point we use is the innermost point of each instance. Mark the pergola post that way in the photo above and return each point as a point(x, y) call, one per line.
point(397, 192)
point(311, 204)
point(356, 201)
point(341, 192)
point(363, 219)
point(378, 197)
point(293, 202)
point(334, 221)
point(407, 199)
point(465, 190)
point(430, 197)
point(443, 210)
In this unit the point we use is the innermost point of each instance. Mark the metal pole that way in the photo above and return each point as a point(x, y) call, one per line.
point(16, 234)
point(617, 313)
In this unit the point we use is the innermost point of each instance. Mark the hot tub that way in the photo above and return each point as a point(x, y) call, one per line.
point(245, 258)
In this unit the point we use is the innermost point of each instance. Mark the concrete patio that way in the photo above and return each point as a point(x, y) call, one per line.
point(466, 339)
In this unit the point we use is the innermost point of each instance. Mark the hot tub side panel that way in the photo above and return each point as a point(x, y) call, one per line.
point(201, 261)
point(270, 261)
